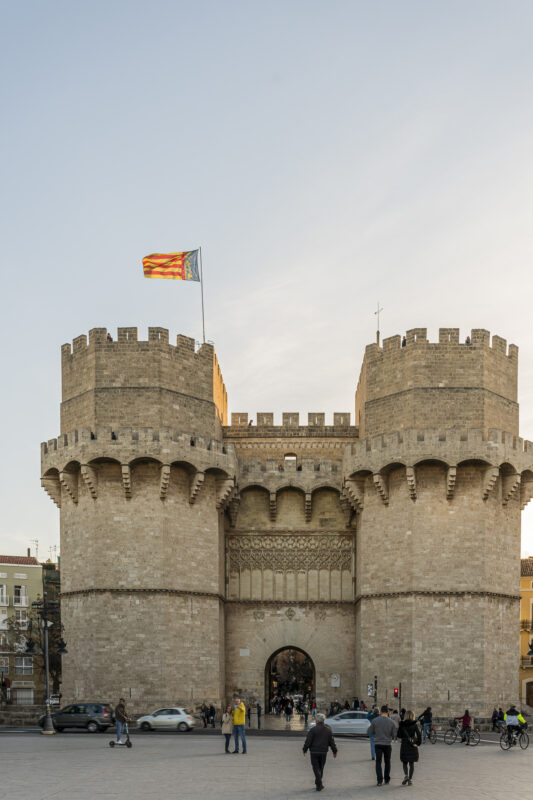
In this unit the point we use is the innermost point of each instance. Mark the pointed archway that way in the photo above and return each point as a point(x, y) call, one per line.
point(289, 672)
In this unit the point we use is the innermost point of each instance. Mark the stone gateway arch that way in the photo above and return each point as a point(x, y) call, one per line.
point(193, 550)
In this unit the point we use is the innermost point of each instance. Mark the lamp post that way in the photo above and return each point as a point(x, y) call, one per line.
point(42, 608)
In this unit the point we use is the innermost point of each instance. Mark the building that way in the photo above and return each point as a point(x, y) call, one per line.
point(21, 584)
point(526, 631)
point(195, 553)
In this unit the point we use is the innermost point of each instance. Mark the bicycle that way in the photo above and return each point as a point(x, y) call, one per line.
point(516, 737)
point(454, 731)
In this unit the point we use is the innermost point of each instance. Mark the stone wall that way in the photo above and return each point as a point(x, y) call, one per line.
point(325, 632)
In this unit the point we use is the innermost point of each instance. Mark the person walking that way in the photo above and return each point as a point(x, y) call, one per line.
point(501, 719)
point(227, 727)
point(494, 718)
point(318, 741)
point(204, 711)
point(372, 714)
point(259, 712)
point(249, 715)
point(426, 718)
point(289, 708)
point(395, 717)
point(239, 721)
point(212, 714)
point(120, 718)
point(382, 728)
point(305, 710)
point(409, 735)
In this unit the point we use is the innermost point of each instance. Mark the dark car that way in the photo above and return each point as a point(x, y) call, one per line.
point(92, 716)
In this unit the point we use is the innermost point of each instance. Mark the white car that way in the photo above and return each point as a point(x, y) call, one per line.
point(167, 719)
point(347, 722)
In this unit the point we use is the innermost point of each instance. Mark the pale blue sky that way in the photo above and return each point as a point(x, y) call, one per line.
point(324, 154)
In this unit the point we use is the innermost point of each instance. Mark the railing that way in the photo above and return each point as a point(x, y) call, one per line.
point(526, 625)
point(20, 601)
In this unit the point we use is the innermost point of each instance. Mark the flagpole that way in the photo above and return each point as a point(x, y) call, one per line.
point(202, 290)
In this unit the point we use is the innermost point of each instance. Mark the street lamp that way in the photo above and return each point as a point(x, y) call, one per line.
point(42, 608)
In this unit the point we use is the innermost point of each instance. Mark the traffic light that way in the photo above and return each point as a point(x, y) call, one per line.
point(395, 692)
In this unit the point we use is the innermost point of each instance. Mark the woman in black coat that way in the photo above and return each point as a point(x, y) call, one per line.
point(409, 734)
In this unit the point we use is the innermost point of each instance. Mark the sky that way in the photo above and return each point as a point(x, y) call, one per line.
point(326, 156)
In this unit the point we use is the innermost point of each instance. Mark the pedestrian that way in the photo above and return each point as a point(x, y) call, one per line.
point(426, 718)
point(259, 712)
point(318, 741)
point(227, 727)
point(402, 713)
point(249, 715)
point(395, 717)
point(382, 728)
point(372, 714)
point(501, 719)
point(239, 721)
point(494, 719)
point(204, 711)
point(306, 712)
point(314, 708)
point(289, 708)
point(212, 713)
point(120, 718)
point(355, 704)
point(409, 734)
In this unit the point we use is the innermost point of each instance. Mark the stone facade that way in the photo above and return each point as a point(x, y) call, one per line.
point(193, 551)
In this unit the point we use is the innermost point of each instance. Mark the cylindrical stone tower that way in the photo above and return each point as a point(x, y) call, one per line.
point(436, 482)
point(142, 541)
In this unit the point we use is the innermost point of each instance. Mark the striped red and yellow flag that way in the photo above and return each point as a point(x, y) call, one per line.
point(177, 266)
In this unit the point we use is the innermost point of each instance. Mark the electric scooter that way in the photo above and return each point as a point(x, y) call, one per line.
point(127, 743)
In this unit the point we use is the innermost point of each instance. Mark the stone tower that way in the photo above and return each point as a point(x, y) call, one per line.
point(436, 480)
point(142, 476)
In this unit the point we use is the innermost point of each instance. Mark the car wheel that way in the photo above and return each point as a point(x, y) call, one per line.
point(145, 726)
point(93, 727)
point(183, 726)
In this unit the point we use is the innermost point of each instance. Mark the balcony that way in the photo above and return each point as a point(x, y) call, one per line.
point(20, 601)
point(4, 599)
point(526, 625)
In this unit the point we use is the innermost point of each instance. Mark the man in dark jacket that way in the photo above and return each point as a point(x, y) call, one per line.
point(426, 718)
point(318, 741)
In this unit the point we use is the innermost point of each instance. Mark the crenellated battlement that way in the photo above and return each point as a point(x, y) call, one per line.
point(411, 382)
point(478, 338)
point(143, 383)
point(451, 446)
point(290, 421)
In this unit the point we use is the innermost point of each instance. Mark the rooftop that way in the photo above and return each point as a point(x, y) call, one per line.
point(28, 561)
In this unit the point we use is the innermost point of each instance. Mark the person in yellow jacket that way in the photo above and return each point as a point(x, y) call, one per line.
point(514, 721)
point(239, 721)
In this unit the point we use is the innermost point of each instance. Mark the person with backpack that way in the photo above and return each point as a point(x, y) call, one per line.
point(410, 737)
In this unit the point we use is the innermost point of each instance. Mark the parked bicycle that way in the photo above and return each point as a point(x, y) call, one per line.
point(510, 739)
point(454, 732)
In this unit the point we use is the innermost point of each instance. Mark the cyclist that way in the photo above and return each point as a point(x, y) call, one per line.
point(466, 726)
point(426, 718)
point(514, 721)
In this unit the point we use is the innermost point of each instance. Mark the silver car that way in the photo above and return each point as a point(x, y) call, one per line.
point(347, 722)
point(177, 719)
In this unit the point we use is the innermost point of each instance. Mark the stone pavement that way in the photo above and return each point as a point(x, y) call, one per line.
point(82, 766)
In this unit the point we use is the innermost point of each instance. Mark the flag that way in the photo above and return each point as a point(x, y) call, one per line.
point(177, 266)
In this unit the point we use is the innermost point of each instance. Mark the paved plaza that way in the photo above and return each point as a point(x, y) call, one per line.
point(83, 766)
